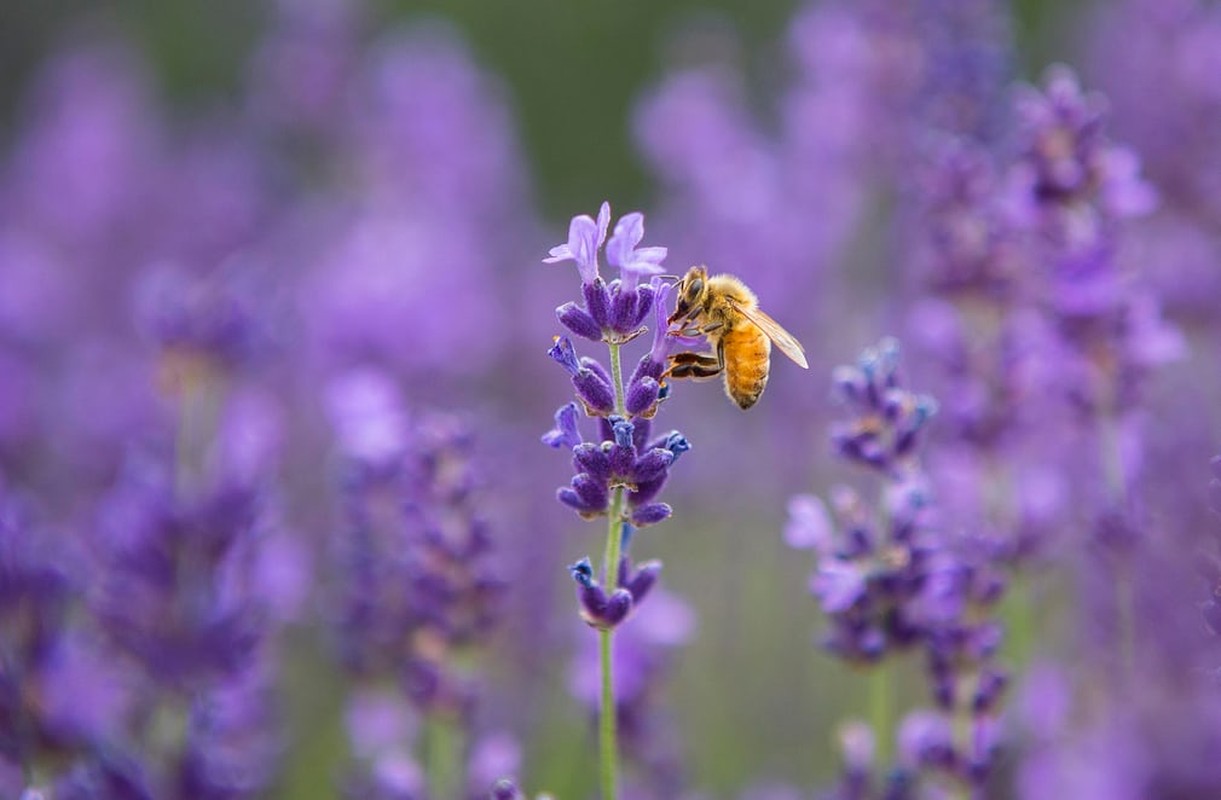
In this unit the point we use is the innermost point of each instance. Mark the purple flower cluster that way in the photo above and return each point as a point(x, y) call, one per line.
point(887, 420)
point(177, 288)
point(421, 589)
point(1165, 107)
point(892, 578)
point(1072, 188)
point(612, 312)
point(623, 458)
point(618, 475)
point(175, 629)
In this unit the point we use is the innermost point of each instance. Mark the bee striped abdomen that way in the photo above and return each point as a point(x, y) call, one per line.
point(747, 358)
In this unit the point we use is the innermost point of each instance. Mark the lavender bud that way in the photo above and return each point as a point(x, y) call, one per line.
point(673, 441)
point(595, 366)
point(988, 691)
point(643, 580)
point(618, 606)
point(597, 394)
point(592, 460)
point(925, 740)
point(588, 377)
point(622, 458)
point(623, 310)
point(652, 465)
point(598, 301)
point(644, 303)
point(582, 572)
point(651, 514)
point(645, 492)
point(592, 492)
point(579, 321)
point(642, 396)
point(593, 602)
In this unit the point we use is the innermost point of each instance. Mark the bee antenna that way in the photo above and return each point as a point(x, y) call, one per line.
point(671, 278)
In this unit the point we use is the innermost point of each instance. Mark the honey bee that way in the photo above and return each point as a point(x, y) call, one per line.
point(723, 310)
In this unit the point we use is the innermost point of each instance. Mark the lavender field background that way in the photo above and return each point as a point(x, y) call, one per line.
point(293, 492)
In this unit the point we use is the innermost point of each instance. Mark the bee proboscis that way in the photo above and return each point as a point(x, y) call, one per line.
point(723, 310)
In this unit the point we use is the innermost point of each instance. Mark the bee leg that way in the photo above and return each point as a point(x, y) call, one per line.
point(695, 333)
point(694, 365)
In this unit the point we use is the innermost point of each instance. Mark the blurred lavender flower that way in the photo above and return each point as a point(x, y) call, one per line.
point(893, 578)
point(221, 317)
point(231, 748)
point(176, 591)
point(1166, 106)
point(428, 204)
point(420, 591)
point(35, 597)
point(887, 420)
point(1073, 187)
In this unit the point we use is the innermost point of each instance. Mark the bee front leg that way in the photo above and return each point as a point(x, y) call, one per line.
point(697, 332)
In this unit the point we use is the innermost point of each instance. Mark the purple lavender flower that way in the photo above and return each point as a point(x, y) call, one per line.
point(624, 459)
point(614, 311)
point(208, 317)
point(888, 420)
point(35, 597)
point(620, 473)
point(175, 591)
point(633, 262)
point(585, 239)
point(231, 749)
point(421, 591)
point(893, 578)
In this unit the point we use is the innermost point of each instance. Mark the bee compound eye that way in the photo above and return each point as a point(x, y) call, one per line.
point(694, 288)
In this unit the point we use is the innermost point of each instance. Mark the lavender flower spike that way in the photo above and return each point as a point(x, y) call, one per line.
point(585, 237)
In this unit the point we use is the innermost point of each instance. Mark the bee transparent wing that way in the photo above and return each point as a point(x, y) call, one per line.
point(779, 336)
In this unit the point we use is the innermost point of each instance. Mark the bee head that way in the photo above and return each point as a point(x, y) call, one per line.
point(691, 291)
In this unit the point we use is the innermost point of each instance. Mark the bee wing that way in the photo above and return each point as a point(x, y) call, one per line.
point(774, 331)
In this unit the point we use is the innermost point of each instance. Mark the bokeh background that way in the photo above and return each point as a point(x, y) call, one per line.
point(270, 240)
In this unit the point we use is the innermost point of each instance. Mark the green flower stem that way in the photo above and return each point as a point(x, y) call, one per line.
point(617, 379)
point(444, 757)
point(882, 713)
point(608, 748)
point(608, 736)
point(964, 690)
point(607, 744)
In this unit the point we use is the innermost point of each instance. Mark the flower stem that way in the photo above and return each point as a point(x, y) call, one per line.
point(882, 713)
point(444, 757)
point(608, 746)
point(608, 738)
point(617, 378)
point(607, 734)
